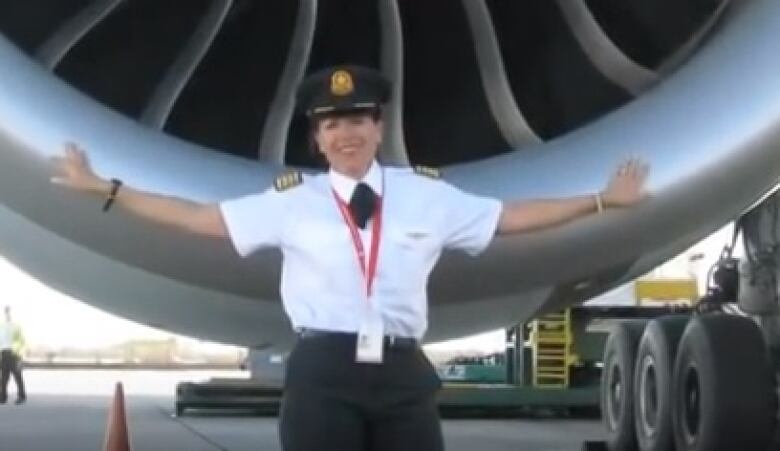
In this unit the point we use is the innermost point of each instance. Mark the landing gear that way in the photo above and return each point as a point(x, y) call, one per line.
point(653, 382)
point(702, 383)
point(617, 385)
point(723, 387)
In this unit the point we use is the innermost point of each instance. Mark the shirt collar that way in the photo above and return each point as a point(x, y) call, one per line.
point(345, 186)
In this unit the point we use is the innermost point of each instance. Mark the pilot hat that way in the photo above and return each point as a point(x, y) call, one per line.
point(342, 88)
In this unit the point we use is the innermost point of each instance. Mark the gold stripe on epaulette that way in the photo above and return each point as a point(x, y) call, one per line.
point(427, 171)
point(288, 180)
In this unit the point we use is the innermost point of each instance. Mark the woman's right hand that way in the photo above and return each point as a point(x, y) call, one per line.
point(73, 171)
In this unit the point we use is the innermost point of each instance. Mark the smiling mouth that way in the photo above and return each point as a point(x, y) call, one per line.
point(350, 148)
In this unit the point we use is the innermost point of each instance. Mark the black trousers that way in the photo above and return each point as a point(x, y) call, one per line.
point(332, 403)
point(11, 364)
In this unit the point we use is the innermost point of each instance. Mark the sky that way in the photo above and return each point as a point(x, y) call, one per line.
point(53, 319)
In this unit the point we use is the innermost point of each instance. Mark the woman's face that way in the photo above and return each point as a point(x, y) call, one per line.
point(349, 142)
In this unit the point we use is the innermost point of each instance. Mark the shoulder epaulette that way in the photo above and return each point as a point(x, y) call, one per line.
point(427, 171)
point(288, 180)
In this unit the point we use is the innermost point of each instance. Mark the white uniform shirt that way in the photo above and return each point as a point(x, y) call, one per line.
point(322, 285)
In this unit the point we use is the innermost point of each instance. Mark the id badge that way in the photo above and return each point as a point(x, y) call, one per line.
point(370, 340)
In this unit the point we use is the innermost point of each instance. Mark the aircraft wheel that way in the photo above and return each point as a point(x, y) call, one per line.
point(723, 389)
point(617, 385)
point(653, 382)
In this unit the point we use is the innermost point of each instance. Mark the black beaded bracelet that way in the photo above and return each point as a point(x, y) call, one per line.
point(115, 185)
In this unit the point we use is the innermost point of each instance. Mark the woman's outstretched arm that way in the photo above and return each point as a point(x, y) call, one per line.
point(74, 172)
point(625, 188)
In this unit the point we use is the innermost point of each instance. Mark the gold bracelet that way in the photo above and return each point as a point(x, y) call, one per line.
point(599, 203)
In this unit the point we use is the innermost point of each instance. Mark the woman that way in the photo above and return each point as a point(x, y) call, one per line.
point(359, 243)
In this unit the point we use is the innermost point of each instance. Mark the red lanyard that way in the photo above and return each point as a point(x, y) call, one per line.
point(376, 232)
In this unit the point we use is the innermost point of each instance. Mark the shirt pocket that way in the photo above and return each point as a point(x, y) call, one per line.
point(319, 236)
point(415, 239)
point(322, 256)
point(410, 253)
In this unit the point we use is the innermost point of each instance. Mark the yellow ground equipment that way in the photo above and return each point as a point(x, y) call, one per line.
point(551, 338)
point(666, 291)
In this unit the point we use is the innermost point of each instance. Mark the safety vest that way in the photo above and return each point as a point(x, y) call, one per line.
point(17, 339)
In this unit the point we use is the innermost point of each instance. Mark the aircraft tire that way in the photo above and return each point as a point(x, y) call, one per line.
point(723, 389)
point(617, 411)
point(653, 382)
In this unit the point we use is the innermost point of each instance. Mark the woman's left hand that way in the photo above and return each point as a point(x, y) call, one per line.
point(626, 186)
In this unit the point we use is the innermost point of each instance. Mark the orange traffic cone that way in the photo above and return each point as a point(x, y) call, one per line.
point(117, 438)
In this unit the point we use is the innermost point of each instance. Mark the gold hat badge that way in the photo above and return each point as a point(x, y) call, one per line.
point(341, 83)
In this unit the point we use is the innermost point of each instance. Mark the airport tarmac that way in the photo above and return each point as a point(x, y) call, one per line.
point(67, 410)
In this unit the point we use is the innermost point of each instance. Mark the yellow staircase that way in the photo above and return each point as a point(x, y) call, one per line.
point(551, 337)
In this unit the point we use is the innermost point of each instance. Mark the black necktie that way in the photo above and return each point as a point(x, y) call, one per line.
point(362, 204)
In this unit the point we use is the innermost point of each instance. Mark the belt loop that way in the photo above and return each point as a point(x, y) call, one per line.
point(391, 340)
